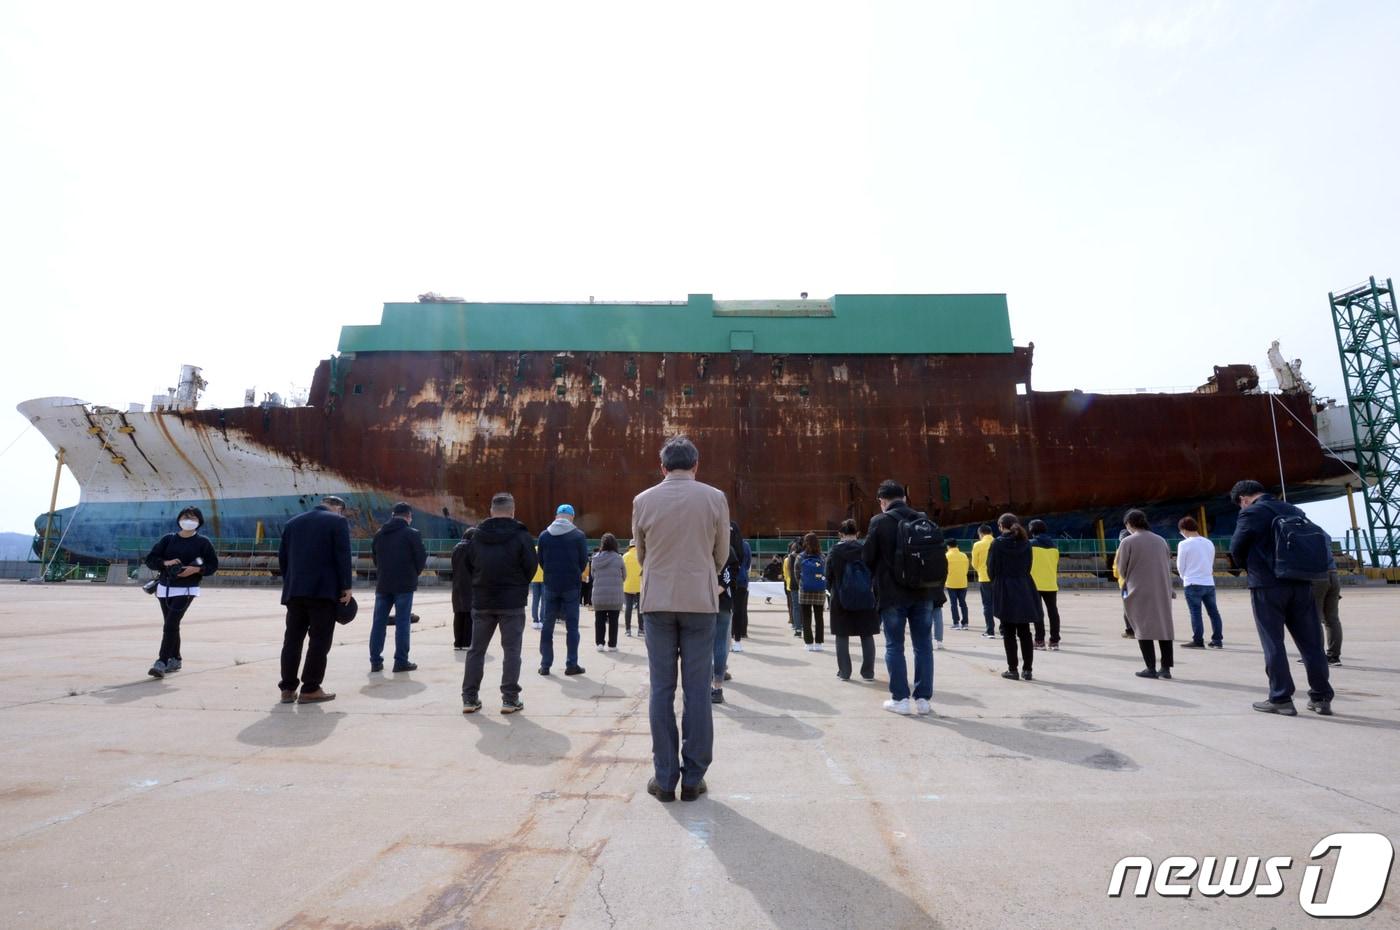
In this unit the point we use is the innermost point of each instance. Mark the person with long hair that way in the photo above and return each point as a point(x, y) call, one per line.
point(182, 558)
point(1145, 564)
point(811, 591)
point(858, 617)
point(1014, 599)
point(608, 575)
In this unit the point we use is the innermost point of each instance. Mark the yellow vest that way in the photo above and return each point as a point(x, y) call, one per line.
point(957, 568)
point(539, 572)
point(632, 583)
point(980, 549)
point(1045, 568)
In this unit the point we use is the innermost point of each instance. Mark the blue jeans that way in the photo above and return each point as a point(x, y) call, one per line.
point(722, 620)
point(1196, 595)
point(984, 588)
point(689, 639)
point(403, 616)
point(938, 624)
point(957, 605)
point(559, 605)
point(796, 617)
point(536, 594)
point(920, 618)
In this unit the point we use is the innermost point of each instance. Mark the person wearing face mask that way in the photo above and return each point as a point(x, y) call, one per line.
point(182, 559)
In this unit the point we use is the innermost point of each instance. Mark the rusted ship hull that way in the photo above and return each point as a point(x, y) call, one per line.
point(797, 442)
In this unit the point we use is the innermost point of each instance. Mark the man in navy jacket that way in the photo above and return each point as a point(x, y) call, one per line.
point(564, 556)
point(1278, 603)
point(314, 560)
point(399, 558)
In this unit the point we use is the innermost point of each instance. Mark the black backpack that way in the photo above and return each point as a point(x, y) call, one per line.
point(920, 556)
point(1302, 549)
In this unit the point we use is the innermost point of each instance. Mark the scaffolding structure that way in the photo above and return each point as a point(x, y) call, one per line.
point(1368, 341)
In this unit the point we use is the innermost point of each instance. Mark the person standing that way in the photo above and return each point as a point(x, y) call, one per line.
point(956, 586)
point(1144, 563)
point(905, 553)
point(741, 591)
point(790, 589)
point(564, 556)
point(853, 604)
point(182, 558)
point(680, 528)
point(500, 560)
point(1327, 596)
point(313, 557)
point(811, 591)
point(537, 593)
point(632, 588)
point(1195, 563)
point(980, 550)
point(399, 558)
point(609, 575)
point(1015, 601)
point(1118, 579)
point(726, 581)
point(461, 595)
point(1279, 603)
point(1045, 572)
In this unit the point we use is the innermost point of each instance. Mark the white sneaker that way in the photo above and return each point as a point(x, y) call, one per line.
point(737, 647)
point(898, 707)
point(818, 647)
point(938, 644)
point(612, 649)
point(602, 648)
point(537, 625)
point(989, 636)
point(921, 706)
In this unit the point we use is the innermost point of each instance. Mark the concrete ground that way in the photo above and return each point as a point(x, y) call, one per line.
point(199, 801)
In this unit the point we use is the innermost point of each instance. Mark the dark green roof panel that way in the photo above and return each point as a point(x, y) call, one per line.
point(847, 324)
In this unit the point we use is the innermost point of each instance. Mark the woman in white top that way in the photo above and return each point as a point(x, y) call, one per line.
point(1195, 563)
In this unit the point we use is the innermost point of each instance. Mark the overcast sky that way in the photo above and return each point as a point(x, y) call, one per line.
point(1158, 187)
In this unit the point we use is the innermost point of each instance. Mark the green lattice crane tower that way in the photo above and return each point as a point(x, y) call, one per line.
point(1368, 340)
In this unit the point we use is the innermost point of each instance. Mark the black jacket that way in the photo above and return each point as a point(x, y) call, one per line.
point(500, 558)
point(398, 556)
point(1252, 546)
point(461, 578)
point(847, 622)
point(878, 553)
point(314, 555)
point(1014, 598)
point(187, 549)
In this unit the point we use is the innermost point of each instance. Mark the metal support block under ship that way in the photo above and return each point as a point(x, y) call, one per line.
point(799, 409)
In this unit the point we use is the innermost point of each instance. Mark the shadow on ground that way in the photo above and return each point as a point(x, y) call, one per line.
point(793, 884)
point(292, 725)
point(515, 739)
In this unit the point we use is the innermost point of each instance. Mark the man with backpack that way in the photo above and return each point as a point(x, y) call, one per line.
point(905, 552)
point(1283, 553)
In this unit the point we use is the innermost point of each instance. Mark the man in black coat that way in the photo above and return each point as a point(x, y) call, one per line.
point(899, 605)
point(399, 558)
point(461, 595)
point(314, 560)
point(1278, 603)
point(501, 561)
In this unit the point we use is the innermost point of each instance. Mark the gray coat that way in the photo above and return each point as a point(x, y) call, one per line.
point(607, 573)
point(1145, 565)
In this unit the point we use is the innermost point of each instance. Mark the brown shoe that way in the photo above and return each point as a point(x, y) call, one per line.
point(315, 697)
point(289, 696)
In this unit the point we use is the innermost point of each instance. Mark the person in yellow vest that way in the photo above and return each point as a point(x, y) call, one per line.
point(1045, 571)
point(536, 593)
point(956, 585)
point(790, 589)
point(984, 580)
point(632, 589)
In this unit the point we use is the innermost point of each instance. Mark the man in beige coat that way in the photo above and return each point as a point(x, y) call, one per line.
point(1144, 563)
point(680, 529)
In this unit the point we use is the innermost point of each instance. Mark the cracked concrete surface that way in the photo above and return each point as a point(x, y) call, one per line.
point(199, 801)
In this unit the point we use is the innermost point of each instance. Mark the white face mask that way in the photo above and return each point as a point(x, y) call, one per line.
point(189, 525)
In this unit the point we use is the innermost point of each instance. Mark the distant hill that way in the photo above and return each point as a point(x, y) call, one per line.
point(16, 547)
